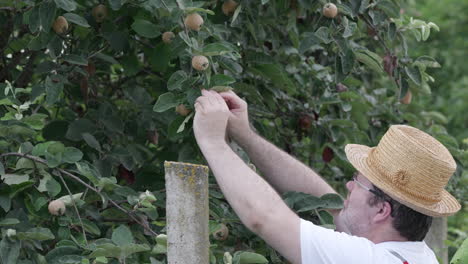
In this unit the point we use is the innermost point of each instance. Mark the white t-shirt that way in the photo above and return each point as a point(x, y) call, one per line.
point(324, 246)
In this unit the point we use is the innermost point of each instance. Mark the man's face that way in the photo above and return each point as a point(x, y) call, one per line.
point(355, 218)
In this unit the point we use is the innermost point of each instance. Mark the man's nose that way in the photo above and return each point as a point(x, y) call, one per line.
point(350, 185)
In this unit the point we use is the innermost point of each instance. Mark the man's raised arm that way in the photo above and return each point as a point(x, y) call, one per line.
point(281, 170)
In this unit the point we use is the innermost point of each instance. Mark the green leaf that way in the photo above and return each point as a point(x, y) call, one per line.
point(165, 102)
point(2, 169)
point(427, 61)
point(92, 141)
point(332, 201)
point(461, 255)
point(54, 87)
point(78, 127)
point(106, 58)
point(67, 5)
point(36, 233)
point(369, 59)
point(75, 59)
point(219, 48)
point(177, 80)
point(72, 155)
point(5, 202)
point(244, 257)
point(9, 251)
point(276, 75)
point(389, 8)
point(88, 225)
point(12, 179)
point(55, 254)
point(127, 250)
point(34, 20)
point(76, 19)
point(414, 74)
point(35, 121)
point(160, 57)
point(221, 80)
point(146, 29)
point(323, 33)
point(47, 15)
point(116, 4)
point(122, 236)
point(189, 10)
point(9, 221)
point(89, 171)
point(53, 187)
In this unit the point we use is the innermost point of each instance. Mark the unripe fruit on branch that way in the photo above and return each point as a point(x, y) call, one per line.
point(167, 37)
point(407, 98)
point(200, 63)
point(229, 7)
point(341, 88)
point(182, 110)
point(330, 10)
point(193, 21)
point(60, 25)
point(222, 233)
point(99, 13)
point(57, 207)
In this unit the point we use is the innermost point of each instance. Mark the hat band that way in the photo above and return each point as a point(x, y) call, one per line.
point(400, 180)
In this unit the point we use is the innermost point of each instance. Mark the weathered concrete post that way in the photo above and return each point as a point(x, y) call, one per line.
point(436, 237)
point(187, 213)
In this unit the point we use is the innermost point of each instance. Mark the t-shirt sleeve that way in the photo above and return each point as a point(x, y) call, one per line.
point(320, 245)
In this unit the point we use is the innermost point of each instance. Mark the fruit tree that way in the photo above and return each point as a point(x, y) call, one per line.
point(96, 95)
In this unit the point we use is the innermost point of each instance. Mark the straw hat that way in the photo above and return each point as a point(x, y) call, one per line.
point(411, 167)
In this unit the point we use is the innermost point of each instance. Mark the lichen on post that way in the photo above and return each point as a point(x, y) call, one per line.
point(187, 213)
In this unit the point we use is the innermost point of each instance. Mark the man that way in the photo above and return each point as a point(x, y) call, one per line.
point(398, 188)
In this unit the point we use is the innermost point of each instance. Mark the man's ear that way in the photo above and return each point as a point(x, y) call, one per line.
point(383, 212)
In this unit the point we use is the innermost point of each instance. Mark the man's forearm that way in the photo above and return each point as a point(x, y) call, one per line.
point(281, 170)
point(251, 197)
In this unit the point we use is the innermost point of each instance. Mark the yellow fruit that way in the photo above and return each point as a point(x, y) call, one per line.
point(99, 13)
point(57, 207)
point(193, 21)
point(330, 10)
point(407, 98)
point(200, 63)
point(222, 233)
point(229, 7)
point(182, 110)
point(60, 25)
point(167, 37)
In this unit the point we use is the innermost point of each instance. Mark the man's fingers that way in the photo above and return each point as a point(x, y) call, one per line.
point(233, 100)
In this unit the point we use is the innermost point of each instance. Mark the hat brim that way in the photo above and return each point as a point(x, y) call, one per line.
point(357, 156)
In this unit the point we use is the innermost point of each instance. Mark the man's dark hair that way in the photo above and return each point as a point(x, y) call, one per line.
point(410, 224)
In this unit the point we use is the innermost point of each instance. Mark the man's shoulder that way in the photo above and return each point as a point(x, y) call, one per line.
point(413, 252)
point(321, 244)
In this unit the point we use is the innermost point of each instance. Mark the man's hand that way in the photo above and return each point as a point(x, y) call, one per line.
point(211, 118)
point(238, 125)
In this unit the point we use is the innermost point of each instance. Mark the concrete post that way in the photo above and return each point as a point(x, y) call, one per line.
point(436, 237)
point(187, 213)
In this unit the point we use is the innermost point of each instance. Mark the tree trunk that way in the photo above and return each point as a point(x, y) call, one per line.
point(187, 213)
point(435, 238)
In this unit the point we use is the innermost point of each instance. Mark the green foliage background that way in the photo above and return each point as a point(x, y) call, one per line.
point(88, 117)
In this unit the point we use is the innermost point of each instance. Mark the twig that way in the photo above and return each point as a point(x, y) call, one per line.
point(76, 208)
point(76, 178)
point(377, 34)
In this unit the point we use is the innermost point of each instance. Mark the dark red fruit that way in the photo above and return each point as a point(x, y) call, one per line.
point(327, 154)
point(125, 174)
